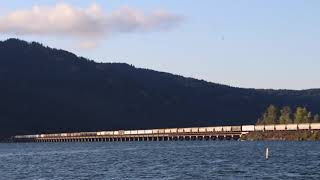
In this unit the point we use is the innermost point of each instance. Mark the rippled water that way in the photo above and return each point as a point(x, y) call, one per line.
point(160, 160)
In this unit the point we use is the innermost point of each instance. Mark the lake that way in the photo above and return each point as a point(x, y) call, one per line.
point(161, 160)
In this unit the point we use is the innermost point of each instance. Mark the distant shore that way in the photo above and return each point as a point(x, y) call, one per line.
point(282, 135)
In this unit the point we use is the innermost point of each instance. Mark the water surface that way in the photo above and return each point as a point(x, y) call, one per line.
point(160, 160)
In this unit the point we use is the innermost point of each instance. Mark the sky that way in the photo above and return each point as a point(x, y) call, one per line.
point(252, 44)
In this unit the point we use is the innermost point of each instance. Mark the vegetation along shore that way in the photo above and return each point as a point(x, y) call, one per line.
point(285, 116)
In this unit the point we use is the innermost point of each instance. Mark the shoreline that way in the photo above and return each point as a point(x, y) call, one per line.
point(306, 135)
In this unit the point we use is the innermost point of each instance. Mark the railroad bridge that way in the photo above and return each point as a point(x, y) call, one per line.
point(169, 134)
point(141, 137)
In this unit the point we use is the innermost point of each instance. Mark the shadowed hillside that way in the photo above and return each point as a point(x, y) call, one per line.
point(49, 90)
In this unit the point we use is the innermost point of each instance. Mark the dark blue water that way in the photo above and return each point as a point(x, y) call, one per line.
point(160, 160)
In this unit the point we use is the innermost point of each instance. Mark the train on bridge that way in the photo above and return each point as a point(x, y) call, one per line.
point(169, 133)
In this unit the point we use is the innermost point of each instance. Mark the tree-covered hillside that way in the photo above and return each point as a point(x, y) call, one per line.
point(49, 90)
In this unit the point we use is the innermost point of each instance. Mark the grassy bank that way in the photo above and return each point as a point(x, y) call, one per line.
point(282, 135)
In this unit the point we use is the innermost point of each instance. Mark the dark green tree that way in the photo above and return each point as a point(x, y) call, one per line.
point(285, 117)
point(270, 116)
point(309, 118)
point(301, 115)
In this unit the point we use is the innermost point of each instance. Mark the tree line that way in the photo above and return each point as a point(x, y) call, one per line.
point(273, 115)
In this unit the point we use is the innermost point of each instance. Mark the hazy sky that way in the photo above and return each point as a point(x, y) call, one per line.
point(256, 44)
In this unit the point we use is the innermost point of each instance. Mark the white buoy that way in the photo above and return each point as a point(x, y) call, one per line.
point(267, 153)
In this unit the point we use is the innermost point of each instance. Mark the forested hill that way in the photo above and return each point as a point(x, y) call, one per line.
point(49, 90)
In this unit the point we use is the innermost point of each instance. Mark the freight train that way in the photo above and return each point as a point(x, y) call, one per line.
point(193, 130)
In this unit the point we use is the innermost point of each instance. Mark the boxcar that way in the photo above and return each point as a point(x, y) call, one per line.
point(148, 131)
point(304, 126)
point(315, 126)
point(161, 131)
point(173, 130)
point(167, 131)
point(247, 128)
point(292, 127)
point(235, 128)
point(218, 128)
point(86, 134)
point(210, 129)
point(108, 132)
point(155, 131)
point(194, 129)
point(280, 127)
point(187, 130)
point(202, 129)
point(269, 127)
point(226, 128)
point(105, 133)
point(259, 128)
